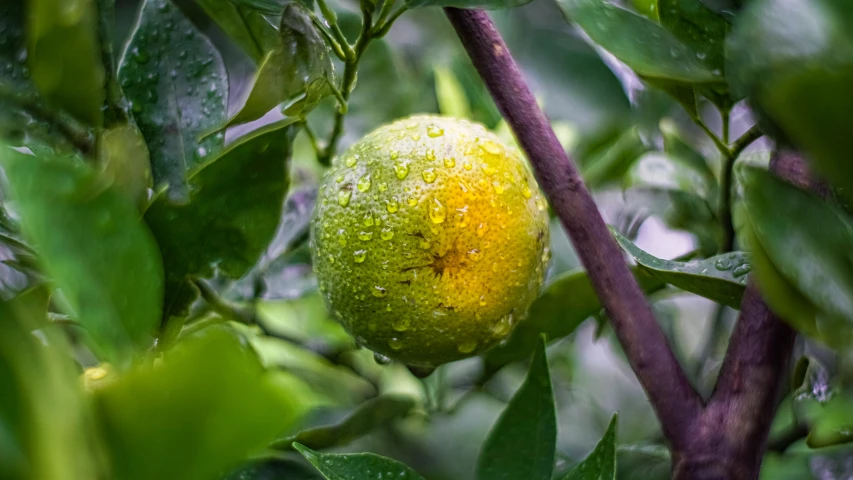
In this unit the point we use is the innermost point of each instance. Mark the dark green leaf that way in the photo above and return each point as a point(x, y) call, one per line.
point(699, 27)
point(298, 71)
point(271, 7)
point(92, 244)
point(14, 74)
point(370, 415)
point(486, 4)
point(559, 310)
point(44, 419)
point(721, 278)
point(600, 464)
point(657, 170)
point(247, 27)
point(808, 241)
point(233, 211)
point(834, 425)
point(204, 407)
point(522, 442)
point(683, 93)
point(795, 58)
point(356, 466)
point(178, 88)
point(646, 47)
point(64, 56)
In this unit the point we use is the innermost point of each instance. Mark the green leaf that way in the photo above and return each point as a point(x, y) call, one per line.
point(795, 58)
point(522, 442)
point(486, 4)
point(247, 27)
point(204, 407)
point(233, 211)
point(123, 157)
point(176, 82)
point(808, 241)
point(721, 278)
point(92, 244)
point(657, 170)
point(600, 464)
point(675, 145)
point(452, 100)
point(13, 49)
point(44, 419)
point(356, 466)
point(271, 7)
point(699, 27)
point(64, 56)
point(683, 93)
point(559, 310)
point(298, 71)
point(371, 414)
point(609, 162)
point(646, 47)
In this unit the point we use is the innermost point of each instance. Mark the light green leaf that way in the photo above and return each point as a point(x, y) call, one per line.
point(608, 162)
point(559, 310)
point(298, 71)
point(523, 440)
point(271, 7)
point(45, 424)
point(600, 464)
point(124, 160)
point(202, 408)
point(93, 246)
point(233, 211)
point(371, 414)
point(646, 47)
point(176, 82)
point(721, 278)
point(247, 27)
point(808, 241)
point(64, 56)
point(356, 466)
point(452, 100)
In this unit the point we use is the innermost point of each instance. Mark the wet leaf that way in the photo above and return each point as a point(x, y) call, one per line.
point(600, 464)
point(271, 7)
point(699, 27)
point(233, 211)
point(64, 56)
point(370, 415)
point(298, 71)
point(649, 49)
point(808, 242)
point(247, 27)
point(14, 74)
point(356, 466)
point(523, 441)
point(176, 82)
point(93, 246)
point(564, 304)
point(721, 278)
point(204, 407)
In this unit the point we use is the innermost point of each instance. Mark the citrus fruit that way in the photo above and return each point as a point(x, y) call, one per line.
point(429, 240)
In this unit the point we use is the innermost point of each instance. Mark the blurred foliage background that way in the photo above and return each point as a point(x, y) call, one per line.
point(256, 356)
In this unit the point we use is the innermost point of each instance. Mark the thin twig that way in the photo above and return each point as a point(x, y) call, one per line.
point(75, 132)
point(674, 400)
point(746, 140)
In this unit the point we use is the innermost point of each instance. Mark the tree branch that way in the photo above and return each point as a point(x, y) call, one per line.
point(676, 403)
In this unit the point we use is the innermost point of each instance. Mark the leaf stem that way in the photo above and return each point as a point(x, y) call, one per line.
point(746, 140)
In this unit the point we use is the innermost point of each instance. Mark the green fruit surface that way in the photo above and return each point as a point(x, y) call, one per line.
point(429, 240)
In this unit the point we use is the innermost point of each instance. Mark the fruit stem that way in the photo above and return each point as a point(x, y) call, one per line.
point(676, 402)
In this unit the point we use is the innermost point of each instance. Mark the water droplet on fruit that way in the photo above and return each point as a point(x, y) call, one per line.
point(401, 324)
point(383, 186)
point(449, 162)
point(434, 131)
point(381, 359)
point(392, 205)
point(401, 169)
point(482, 300)
point(364, 183)
point(351, 161)
point(430, 154)
point(378, 291)
point(501, 328)
point(359, 256)
point(490, 147)
point(475, 254)
point(525, 190)
point(344, 195)
point(365, 236)
point(340, 179)
point(395, 343)
point(467, 166)
point(368, 220)
point(429, 175)
point(499, 189)
point(412, 201)
point(437, 212)
point(467, 347)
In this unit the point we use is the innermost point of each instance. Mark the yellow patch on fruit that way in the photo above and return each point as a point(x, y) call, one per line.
point(430, 240)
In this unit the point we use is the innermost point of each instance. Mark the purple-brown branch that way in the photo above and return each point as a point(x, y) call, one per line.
point(676, 402)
